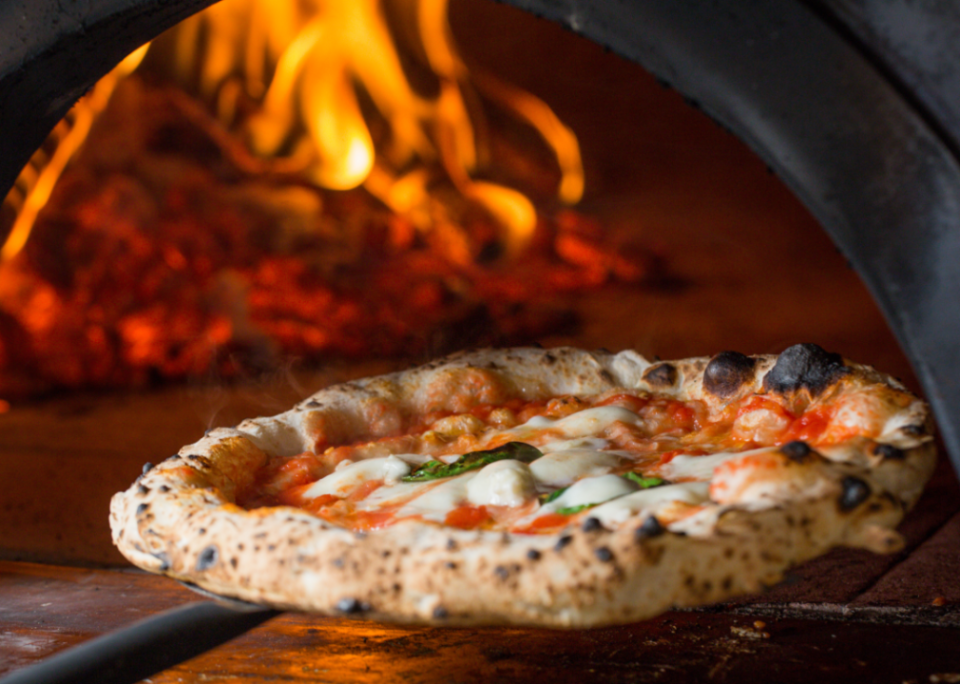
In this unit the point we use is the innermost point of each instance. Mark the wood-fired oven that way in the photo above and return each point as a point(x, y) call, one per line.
point(853, 106)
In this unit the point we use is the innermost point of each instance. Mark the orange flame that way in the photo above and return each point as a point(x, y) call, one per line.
point(301, 82)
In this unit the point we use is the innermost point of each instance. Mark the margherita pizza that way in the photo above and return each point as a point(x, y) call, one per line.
point(558, 488)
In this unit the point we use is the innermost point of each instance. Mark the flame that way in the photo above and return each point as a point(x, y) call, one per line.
point(309, 86)
point(38, 178)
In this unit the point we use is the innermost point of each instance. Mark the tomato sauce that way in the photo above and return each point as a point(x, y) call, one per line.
point(666, 428)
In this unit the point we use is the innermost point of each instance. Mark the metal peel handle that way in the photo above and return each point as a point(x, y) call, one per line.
point(146, 647)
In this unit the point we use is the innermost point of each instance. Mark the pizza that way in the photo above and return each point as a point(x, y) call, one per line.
point(544, 487)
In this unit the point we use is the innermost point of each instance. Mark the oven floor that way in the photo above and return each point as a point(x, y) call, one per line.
point(849, 616)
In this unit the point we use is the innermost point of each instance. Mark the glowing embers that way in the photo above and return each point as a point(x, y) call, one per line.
point(297, 179)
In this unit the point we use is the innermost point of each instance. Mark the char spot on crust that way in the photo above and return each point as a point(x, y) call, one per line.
point(202, 461)
point(313, 403)
point(651, 527)
point(440, 613)
point(797, 451)
point(147, 467)
point(804, 366)
point(533, 554)
point(142, 508)
point(727, 372)
point(855, 492)
point(164, 561)
point(562, 542)
point(592, 524)
point(207, 558)
point(164, 488)
point(501, 572)
point(603, 554)
point(142, 490)
point(661, 375)
point(351, 606)
point(888, 451)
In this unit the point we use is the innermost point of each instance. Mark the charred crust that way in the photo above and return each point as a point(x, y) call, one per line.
point(650, 527)
point(142, 508)
point(451, 544)
point(352, 606)
point(804, 366)
point(147, 467)
point(592, 524)
point(855, 492)
point(562, 542)
point(164, 561)
point(727, 372)
point(603, 554)
point(440, 613)
point(888, 451)
point(797, 451)
point(142, 490)
point(164, 488)
point(501, 571)
point(533, 554)
point(661, 375)
point(913, 430)
point(207, 558)
point(313, 403)
point(202, 461)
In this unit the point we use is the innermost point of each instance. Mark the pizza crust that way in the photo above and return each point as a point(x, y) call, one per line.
point(180, 517)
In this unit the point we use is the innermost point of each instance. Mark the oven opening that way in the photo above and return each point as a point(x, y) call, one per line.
point(267, 199)
point(265, 202)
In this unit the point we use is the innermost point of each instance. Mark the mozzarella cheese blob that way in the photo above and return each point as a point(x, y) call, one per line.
point(348, 477)
point(590, 491)
point(503, 483)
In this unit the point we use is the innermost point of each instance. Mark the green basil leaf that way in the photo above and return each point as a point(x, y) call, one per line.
point(570, 510)
point(434, 470)
point(547, 498)
point(644, 482)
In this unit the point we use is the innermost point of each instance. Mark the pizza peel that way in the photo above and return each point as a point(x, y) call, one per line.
point(149, 646)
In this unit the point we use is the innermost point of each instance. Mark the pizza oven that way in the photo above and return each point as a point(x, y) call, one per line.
point(710, 169)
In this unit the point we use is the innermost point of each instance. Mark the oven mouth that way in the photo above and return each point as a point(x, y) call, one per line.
point(876, 167)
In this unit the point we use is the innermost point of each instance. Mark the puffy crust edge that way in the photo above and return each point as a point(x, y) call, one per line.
point(179, 518)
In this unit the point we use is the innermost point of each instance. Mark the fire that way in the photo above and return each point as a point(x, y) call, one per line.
point(353, 130)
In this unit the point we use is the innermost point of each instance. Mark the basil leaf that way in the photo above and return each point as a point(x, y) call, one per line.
point(570, 510)
point(434, 470)
point(644, 482)
point(547, 498)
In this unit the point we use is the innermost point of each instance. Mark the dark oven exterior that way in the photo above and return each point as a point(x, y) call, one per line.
point(854, 103)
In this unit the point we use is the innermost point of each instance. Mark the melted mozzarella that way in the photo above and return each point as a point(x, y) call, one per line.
point(700, 467)
point(590, 490)
point(394, 495)
point(502, 483)
point(436, 502)
point(593, 421)
point(346, 478)
point(647, 501)
point(586, 423)
point(563, 467)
